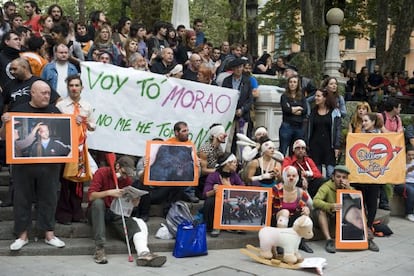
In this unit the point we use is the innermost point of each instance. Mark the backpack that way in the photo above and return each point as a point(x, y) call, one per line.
point(178, 213)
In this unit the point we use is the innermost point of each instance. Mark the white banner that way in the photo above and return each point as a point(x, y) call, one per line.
point(131, 107)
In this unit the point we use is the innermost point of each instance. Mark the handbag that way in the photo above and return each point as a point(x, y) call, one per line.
point(79, 171)
point(191, 240)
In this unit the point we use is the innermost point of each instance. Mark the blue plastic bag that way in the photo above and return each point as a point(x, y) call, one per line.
point(190, 240)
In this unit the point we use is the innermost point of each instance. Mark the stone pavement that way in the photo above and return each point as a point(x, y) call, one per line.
point(396, 257)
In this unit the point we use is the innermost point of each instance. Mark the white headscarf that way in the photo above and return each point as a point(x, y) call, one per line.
point(216, 131)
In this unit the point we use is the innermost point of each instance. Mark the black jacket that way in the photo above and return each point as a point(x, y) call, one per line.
point(245, 97)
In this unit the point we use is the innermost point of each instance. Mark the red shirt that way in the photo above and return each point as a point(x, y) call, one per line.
point(33, 24)
point(300, 166)
point(103, 181)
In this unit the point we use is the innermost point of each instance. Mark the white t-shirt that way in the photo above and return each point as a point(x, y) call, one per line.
point(62, 71)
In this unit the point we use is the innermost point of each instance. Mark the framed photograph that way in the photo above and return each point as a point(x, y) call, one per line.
point(41, 138)
point(171, 164)
point(242, 208)
point(351, 225)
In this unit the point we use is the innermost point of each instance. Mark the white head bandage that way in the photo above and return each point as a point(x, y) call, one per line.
point(232, 157)
point(216, 131)
point(260, 131)
point(292, 170)
point(267, 145)
point(299, 144)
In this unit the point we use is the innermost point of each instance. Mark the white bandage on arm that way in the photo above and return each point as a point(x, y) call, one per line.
point(257, 178)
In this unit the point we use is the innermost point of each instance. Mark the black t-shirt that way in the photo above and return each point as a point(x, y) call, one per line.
point(189, 75)
point(17, 92)
point(27, 108)
point(411, 90)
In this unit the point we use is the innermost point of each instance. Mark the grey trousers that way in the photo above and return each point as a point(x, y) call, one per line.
point(100, 216)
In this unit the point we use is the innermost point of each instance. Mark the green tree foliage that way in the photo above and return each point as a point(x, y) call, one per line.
point(216, 17)
point(363, 19)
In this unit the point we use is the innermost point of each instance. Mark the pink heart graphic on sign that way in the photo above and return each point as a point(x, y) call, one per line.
point(379, 150)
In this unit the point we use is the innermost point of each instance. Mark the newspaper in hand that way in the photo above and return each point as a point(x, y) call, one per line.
point(124, 205)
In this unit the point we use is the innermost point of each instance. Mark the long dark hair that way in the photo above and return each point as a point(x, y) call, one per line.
point(298, 92)
point(330, 102)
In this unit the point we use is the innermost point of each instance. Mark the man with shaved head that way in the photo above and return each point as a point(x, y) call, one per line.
point(17, 91)
point(39, 182)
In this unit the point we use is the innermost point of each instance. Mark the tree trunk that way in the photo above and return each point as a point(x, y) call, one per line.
point(314, 28)
point(236, 25)
point(147, 13)
point(400, 42)
point(82, 11)
point(381, 33)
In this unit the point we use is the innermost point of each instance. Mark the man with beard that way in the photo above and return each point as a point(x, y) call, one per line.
point(56, 12)
point(101, 193)
point(32, 11)
point(17, 91)
point(181, 133)
point(311, 177)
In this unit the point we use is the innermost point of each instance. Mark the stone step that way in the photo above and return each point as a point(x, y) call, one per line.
point(4, 177)
point(75, 230)
point(86, 246)
point(156, 210)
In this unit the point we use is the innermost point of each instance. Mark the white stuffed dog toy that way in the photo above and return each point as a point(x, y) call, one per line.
point(287, 238)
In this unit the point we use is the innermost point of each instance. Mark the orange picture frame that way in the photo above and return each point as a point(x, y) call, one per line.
point(351, 225)
point(26, 145)
point(171, 164)
point(242, 208)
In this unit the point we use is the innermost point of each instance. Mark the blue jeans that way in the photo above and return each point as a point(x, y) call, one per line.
point(409, 201)
point(287, 135)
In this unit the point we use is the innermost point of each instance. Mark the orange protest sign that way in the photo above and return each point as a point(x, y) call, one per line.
point(376, 158)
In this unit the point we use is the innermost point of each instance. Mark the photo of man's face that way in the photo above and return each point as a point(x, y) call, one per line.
point(44, 132)
point(354, 216)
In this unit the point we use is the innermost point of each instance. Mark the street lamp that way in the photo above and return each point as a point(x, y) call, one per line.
point(332, 62)
point(251, 26)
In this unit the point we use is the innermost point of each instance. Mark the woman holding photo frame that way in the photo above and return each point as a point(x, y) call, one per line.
point(289, 202)
point(224, 175)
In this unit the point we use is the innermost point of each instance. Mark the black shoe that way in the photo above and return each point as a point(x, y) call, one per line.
point(144, 217)
point(6, 204)
point(64, 222)
point(305, 247)
point(192, 199)
point(373, 246)
point(330, 246)
point(384, 206)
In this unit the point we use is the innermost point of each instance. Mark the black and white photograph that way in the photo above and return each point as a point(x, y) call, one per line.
point(242, 208)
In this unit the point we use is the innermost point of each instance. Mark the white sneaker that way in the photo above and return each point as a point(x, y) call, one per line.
point(56, 242)
point(18, 244)
point(410, 217)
